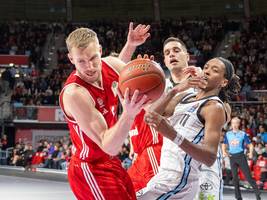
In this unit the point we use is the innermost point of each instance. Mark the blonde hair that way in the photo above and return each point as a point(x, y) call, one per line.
point(80, 38)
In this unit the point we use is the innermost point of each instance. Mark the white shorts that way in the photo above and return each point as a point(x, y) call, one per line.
point(169, 185)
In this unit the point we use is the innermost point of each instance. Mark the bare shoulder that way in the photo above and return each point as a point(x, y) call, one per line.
point(114, 62)
point(214, 106)
point(214, 111)
point(76, 94)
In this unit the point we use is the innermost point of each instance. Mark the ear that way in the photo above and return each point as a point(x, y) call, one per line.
point(100, 49)
point(70, 58)
point(224, 83)
point(187, 57)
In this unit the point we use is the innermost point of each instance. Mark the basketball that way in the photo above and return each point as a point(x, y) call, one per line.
point(144, 75)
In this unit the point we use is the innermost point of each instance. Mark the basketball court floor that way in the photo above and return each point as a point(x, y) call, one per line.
point(21, 188)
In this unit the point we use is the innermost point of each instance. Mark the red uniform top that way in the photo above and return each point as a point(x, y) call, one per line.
point(147, 143)
point(142, 135)
point(106, 102)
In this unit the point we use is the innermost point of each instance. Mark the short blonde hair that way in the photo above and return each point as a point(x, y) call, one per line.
point(80, 38)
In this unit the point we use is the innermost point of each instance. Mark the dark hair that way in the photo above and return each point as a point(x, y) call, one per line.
point(233, 86)
point(174, 39)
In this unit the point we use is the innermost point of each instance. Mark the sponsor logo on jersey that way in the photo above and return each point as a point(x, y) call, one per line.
point(234, 142)
point(100, 102)
point(206, 186)
point(114, 87)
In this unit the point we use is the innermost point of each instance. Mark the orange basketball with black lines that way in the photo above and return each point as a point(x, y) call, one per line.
point(144, 75)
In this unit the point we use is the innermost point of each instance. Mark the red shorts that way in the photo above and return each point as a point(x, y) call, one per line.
point(145, 166)
point(99, 181)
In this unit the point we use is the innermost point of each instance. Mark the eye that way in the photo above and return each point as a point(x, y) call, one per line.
point(176, 50)
point(80, 61)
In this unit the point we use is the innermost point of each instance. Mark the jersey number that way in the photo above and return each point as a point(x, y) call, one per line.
point(184, 119)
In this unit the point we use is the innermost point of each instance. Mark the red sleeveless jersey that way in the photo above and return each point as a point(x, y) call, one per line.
point(143, 135)
point(106, 102)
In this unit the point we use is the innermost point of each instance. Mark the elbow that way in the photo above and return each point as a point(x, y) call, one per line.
point(209, 161)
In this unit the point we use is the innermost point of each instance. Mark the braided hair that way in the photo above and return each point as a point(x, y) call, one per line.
point(233, 86)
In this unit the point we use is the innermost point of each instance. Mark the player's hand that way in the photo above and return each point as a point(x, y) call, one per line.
point(146, 56)
point(131, 105)
point(193, 71)
point(191, 82)
point(138, 35)
point(159, 123)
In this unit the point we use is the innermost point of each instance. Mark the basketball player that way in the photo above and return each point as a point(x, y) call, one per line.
point(175, 55)
point(189, 116)
point(89, 102)
point(145, 141)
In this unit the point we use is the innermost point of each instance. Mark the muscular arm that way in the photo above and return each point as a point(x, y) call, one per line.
point(79, 105)
point(213, 114)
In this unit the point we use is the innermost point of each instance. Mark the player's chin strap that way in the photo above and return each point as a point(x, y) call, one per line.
point(178, 139)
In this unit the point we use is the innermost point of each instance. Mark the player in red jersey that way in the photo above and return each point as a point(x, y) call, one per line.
point(89, 101)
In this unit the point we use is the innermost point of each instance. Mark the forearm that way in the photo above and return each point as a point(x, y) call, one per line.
point(160, 105)
point(199, 152)
point(127, 52)
point(114, 137)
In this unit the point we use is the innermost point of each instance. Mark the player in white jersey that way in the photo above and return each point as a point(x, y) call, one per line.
point(186, 149)
point(176, 59)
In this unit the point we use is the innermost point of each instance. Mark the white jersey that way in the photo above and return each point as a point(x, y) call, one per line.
point(178, 172)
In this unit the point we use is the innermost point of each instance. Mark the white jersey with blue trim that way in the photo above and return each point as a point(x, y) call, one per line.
point(178, 172)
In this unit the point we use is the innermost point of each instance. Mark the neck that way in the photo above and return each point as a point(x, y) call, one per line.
point(235, 130)
point(201, 94)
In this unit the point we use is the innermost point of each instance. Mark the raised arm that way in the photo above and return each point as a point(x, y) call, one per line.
point(136, 36)
point(79, 105)
point(205, 153)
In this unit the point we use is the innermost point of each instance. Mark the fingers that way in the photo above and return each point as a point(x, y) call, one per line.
point(190, 70)
point(199, 82)
point(127, 95)
point(134, 97)
point(138, 28)
point(146, 56)
point(142, 103)
point(146, 28)
point(131, 26)
point(119, 94)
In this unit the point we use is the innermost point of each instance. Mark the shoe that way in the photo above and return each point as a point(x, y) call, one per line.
point(258, 197)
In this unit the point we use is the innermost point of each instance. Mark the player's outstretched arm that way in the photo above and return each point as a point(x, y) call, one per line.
point(136, 36)
point(79, 105)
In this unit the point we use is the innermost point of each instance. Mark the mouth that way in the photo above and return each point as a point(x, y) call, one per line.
point(174, 61)
point(205, 78)
point(90, 73)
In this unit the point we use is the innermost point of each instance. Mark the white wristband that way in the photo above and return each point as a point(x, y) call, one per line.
point(178, 139)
